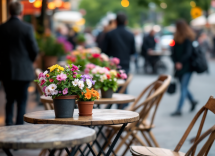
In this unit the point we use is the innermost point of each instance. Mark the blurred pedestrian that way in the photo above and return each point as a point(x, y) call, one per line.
point(120, 43)
point(146, 51)
point(138, 43)
point(181, 56)
point(18, 52)
point(204, 44)
point(72, 37)
point(90, 40)
point(107, 26)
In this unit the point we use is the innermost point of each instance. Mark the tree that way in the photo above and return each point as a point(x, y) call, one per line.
point(96, 9)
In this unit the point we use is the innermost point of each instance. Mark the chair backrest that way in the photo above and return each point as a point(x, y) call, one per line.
point(207, 146)
point(127, 82)
point(37, 72)
point(155, 94)
point(149, 88)
point(210, 105)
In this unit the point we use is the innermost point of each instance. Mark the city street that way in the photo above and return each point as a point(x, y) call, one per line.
point(168, 130)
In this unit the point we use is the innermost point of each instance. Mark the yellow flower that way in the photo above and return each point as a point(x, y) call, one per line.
point(52, 68)
point(113, 72)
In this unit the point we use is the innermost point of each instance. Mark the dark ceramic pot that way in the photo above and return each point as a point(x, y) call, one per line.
point(64, 106)
point(107, 94)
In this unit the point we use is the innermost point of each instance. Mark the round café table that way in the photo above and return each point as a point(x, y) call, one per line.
point(44, 137)
point(100, 117)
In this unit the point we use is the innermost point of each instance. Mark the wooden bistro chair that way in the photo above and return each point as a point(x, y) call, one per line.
point(47, 105)
point(149, 151)
point(155, 93)
point(125, 85)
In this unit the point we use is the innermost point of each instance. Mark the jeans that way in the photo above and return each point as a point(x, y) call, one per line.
point(15, 91)
point(185, 93)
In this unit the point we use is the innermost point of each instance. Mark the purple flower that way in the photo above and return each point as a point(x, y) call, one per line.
point(84, 77)
point(93, 82)
point(59, 92)
point(65, 91)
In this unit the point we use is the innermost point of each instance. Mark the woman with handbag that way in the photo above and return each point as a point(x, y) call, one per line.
point(181, 56)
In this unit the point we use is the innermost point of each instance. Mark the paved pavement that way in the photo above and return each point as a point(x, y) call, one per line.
point(168, 130)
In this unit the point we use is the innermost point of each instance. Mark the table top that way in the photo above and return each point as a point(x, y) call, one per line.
point(99, 117)
point(44, 136)
point(116, 99)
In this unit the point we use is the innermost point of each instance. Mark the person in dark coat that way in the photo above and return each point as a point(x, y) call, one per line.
point(18, 50)
point(181, 56)
point(149, 45)
point(120, 42)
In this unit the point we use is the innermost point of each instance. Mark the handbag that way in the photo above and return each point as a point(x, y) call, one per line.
point(172, 88)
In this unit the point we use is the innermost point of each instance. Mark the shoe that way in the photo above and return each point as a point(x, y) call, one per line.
point(176, 114)
point(193, 106)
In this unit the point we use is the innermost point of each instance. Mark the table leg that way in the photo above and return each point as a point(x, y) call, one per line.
point(116, 139)
point(52, 152)
point(7, 152)
point(91, 149)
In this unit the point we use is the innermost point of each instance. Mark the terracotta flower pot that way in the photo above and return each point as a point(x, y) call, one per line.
point(107, 94)
point(49, 61)
point(64, 106)
point(85, 108)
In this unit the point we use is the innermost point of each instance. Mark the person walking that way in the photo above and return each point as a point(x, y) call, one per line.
point(18, 52)
point(181, 56)
point(120, 43)
point(147, 47)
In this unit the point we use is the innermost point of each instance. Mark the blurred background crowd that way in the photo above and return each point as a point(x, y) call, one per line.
point(156, 30)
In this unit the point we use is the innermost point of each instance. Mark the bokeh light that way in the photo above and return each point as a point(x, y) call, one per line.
point(172, 43)
point(125, 3)
point(67, 5)
point(193, 4)
point(38, 4)
point(58, 3)
point(51, 5)
point(80, 22)
point(163, 5)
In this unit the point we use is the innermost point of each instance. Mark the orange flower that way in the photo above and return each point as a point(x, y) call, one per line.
point(88, 95)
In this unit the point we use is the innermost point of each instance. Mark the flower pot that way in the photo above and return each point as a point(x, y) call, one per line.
point(64, 106)
point(85, 108)
point(107, 94)
point(49, 61)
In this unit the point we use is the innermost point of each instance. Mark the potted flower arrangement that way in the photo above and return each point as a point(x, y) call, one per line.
point(86, 101)
point(63, 84)
point(83, 56)
point(105, 79)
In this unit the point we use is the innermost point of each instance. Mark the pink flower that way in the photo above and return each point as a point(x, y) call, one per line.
point(40, 75)
point(86, 71)
point(123, 76)
point(75, 73)
point(115, 60)
point(90, 66)
point(74, 76)
point(44, 88)
point(65, 91)
point(74, 68)
point(42, 82)
point(59, 92)
point(61, 77)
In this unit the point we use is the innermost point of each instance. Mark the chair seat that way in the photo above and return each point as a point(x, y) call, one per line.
point(140, 127)
point(153, 151)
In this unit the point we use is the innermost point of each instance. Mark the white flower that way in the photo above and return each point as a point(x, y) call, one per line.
point(46, 72)
point(89, 83)
point(104, 57)
point(115, 79)
point(81, 84)
point(48, 91)
point(52, 86)
point(110, 79)
point(75, 82)
point(103, 77)
point(55, 92)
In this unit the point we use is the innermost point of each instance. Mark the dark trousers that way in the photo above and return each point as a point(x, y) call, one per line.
point(15, 91)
